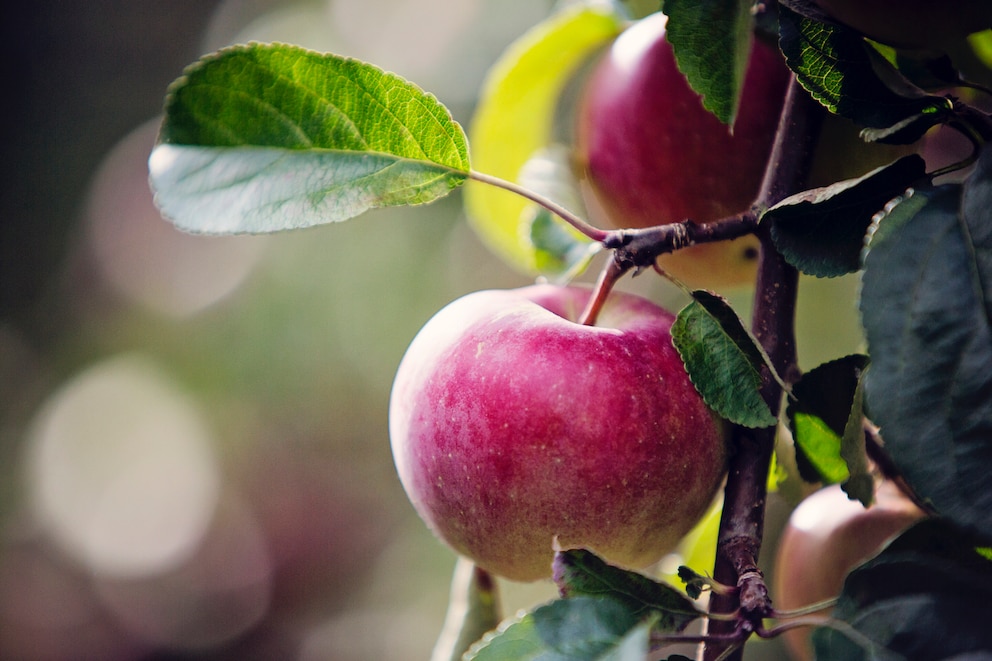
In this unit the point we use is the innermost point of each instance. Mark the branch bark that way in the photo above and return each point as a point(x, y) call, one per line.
point(773, 315)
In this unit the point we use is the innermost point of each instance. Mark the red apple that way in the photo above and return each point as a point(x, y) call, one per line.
point(827, 536)
point(651, 154)
point(514, 427)
point(912, 23)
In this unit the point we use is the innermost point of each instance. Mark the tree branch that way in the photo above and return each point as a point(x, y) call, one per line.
point(773, 315)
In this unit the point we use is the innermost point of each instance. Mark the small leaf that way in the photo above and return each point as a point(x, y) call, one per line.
point(711, 40)
point(515, 117)
point(819, 413)
point(267, 137)
point(822, 231)
point(560, 251)
point(927, 309)
point(860, 485)
point(723, 360)
point(579, 572)
point(694, 582)
point(925, 596)
point(473, 610)
point(845, 74)
point(579, 629)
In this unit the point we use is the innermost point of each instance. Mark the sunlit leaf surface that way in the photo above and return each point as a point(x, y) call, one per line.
point(267, 137)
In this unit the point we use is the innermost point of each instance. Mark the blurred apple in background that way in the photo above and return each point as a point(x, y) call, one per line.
point(826, 536)
point(651, 154)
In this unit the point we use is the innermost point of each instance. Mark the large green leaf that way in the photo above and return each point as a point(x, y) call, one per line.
point(822, 231)
point(851, 79)
point(926, 596)
point(927, 309)
point(267, 137)
point(579, 629)
point(515, 118)
point(723, 360)
point(711, 40)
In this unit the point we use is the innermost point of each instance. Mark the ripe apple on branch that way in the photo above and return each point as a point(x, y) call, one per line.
point(516, 429)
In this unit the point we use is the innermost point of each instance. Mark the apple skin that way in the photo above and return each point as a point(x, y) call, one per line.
point(827, 536)
point(648, 153)
point(514, 428)
point(913, 24)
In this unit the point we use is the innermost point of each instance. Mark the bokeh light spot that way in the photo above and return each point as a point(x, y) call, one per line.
point(121, 469)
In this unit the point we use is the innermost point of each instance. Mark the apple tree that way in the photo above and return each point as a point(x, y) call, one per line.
point(579, 432)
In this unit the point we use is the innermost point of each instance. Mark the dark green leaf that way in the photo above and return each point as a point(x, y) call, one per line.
point(822, 231)
point(825, 416)
point(723, 360)
point(579, 629)
point(581, 573)
point(711, 40)
point(928, 70)
point(693, 580)
point(927, 305)
point(266, 137)
point(851, 79)
point(926, 596)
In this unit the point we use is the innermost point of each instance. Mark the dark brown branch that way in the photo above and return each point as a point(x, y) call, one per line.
point(773, 315)
point(639, 248)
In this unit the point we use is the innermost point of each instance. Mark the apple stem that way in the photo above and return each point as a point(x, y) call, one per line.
point(608, 277)
point(572, 219)
point(773, 314)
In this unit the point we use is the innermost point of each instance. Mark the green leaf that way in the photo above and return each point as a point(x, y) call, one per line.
point(711, 40)
point(934, 72)
point(851, 79)
point(823, 402)
point(925, 596)
point(722, 359)
point(515, 116)
point(267, 137)
point(822, 231)
point(579, 629)
point(861, 484)
point(927, 309)
point(580, 572)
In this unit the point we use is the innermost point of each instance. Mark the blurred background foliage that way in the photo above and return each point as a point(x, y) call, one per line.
point(194, 458)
